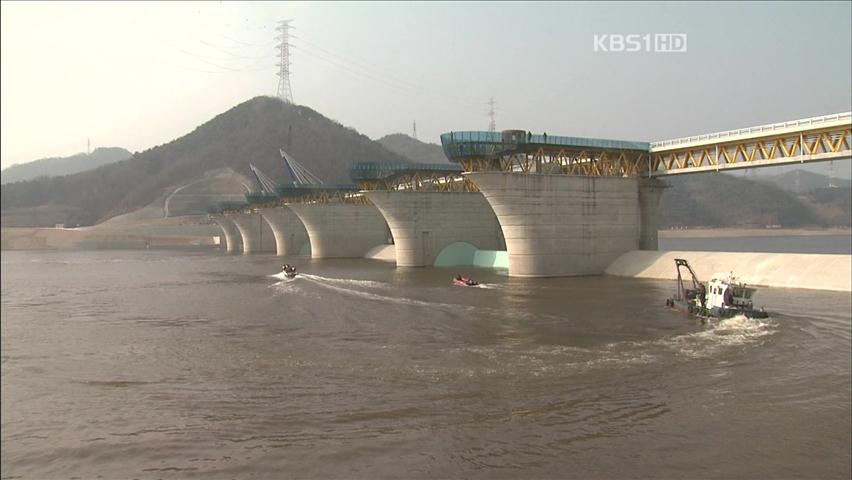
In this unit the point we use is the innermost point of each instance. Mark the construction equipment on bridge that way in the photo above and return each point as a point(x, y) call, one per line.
point(266, 188)
point(304, 188)
point(432, 177)
point(299, 174)
point(264, 183)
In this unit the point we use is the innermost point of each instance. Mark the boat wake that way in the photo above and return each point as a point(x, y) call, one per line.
point(336, 285)
point(717, 334)
point(280, 276)
point(345, 281)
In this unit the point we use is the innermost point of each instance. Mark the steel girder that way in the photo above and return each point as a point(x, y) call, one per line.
point(420, 181)
point(806, 145)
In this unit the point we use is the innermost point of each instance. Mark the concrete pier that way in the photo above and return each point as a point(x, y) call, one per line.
point(424, 223)
point(233, 238)
point(650, 192)
point(563, 225)
point(342, 230)
point(289, 232)
point(256, 234)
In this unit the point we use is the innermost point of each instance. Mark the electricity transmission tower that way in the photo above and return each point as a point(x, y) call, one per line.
point(414, 130)
point(492, 125)
point(284, 91)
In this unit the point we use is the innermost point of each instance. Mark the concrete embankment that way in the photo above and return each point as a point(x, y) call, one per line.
point(69, 239)
point(788, 270)
point(385, 253)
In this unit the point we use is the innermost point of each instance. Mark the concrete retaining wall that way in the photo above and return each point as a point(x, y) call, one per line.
point(562, 225)
point(384, 253)
point(290, 235)
point(342, 230)
point(424, 223)
point(791, 270)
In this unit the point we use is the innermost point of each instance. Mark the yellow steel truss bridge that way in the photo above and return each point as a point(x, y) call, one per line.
point(816, 139)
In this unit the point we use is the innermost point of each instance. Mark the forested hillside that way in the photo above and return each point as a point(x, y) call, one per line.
point(414, 149)
point(251, 132)
point(721, 200)
point(58, 166)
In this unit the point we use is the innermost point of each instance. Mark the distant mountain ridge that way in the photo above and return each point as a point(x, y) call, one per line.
point(801, 181)
point(414, 149)
point(251, 132)
point(58, 166)
point(722, 200)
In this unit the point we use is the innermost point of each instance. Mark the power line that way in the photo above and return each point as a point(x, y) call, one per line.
point(217, 63)
point(339, 65)
point(368, 66)
point(234, 55)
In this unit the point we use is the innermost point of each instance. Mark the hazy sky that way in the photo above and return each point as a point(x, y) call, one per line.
point(140, 74)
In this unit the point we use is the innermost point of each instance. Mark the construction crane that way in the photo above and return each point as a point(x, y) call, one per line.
point(264, 183)
point(299, 174)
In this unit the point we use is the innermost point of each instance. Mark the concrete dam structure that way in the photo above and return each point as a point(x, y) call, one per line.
point(559, 225)
point(424, 223)
point(558, 205)
point(342, 230)
point(289, 232)
point(233, 238)
point(256, 234)
point(570, 205)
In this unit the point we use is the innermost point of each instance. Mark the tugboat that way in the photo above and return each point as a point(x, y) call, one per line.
point(727, 296)
point(289, 271)
point(464, 281)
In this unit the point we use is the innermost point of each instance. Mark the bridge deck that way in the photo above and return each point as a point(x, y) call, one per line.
point(436, 177)
point(359, 171)
point(815, 139)
point(770, 129)
point(463, 145)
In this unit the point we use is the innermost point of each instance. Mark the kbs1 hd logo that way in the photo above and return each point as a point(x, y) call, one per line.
point(634, 42)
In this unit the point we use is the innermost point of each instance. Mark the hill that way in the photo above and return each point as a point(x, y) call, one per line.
point(57, 166)
point(251, 132)
point(833, 204)
point(801, 181)
point(721, 200)
point(413, 149)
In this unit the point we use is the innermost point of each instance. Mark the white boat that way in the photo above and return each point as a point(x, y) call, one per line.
point(723, 297)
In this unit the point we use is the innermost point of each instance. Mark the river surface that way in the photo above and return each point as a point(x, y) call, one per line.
point(165, 364)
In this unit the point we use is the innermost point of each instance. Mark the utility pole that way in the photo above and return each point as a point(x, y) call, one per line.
point(414, 130)
point(492, 125)
point(285, 92)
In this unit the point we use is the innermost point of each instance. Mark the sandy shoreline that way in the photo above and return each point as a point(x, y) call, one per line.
point(750, 232)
